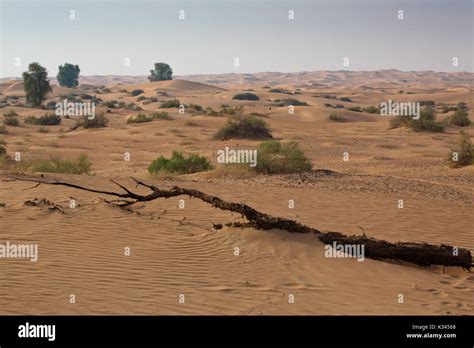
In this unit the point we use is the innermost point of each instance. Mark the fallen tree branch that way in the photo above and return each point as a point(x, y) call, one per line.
point(418, 253)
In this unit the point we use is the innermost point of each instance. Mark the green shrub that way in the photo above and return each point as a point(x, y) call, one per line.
point(55, 164)
point(170, 104)
point(289, 101)
point(244, 127)
point(277, 158)
point(345, 99)
point(464, 152)
point(426, 103)
point(141, 98)
point(11, 118)
point(45, 120)
point(372, 109)
point(460, 118)
point(355, 108)
point(136, 92)
point(86, 96)
point(196, 107)
point(3, 149)
point(328, 105)
point(142, 118)
point(337, 118)
point(279, 90)
point(426, 122)
point(246, 96)
point(231, 110)
point(99, 121)
point(462, 106)
point(177, 163)
point(112, 104)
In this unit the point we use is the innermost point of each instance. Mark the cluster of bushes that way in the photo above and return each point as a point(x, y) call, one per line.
point(289, 101)
point(113, 104)
point(45, 120)
point(246, 96)
point(328, 96)
point(244, 127)
point(142, 118)
point(429, 103)
point(54, 164)
point(99, 121)
point(147, 100)
point(173, 103)
point(464, 154)
point(426, 122)
point(180, 164)
point(11, 118)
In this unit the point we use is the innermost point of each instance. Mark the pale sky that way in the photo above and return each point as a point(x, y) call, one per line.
point(214, 32)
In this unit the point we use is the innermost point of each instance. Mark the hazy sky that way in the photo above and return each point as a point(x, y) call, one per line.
point(259, 33)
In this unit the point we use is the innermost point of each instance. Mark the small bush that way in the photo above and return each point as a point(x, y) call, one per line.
point(338, 106)
point(141, 98)
point(46, 120)
point(43, 130)
point(142, 118)
point(3, 149)
point(177, 163)
point(150, 100)
point(277, 158)
point(279, 90)
point(464, 154)
point(3, 129)
point(137, 92)
point(196, 107)
point(426, 103)
point(54, 164)
point(337, 118)
point(289, 101)
point(11, 118)
point(372, 110)
point(328, 105)
point(460, 118)
point(112, 104)
point(231, 110)
point(355, 108)
point(86, 96)
point(462, 106)
point(345, 99)
point(170, 104)
point(99, 121)
point(244, 127)
point(246, 96)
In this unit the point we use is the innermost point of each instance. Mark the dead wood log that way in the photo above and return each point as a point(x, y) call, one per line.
point(418, 253)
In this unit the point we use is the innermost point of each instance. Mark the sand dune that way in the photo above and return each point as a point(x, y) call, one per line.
point(177, 251)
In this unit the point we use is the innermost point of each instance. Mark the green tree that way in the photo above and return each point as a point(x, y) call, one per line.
point(68, 75)
point(161, 72)
point(36, 84)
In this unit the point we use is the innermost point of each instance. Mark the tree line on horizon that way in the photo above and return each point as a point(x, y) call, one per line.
point(37, 87)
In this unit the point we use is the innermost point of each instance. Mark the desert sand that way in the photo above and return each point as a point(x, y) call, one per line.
point(177, 251)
